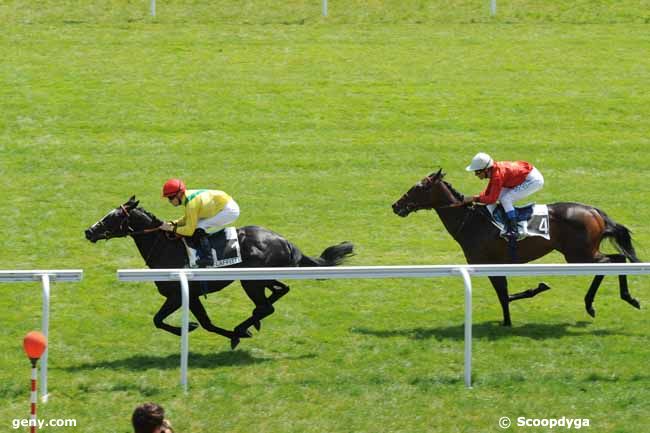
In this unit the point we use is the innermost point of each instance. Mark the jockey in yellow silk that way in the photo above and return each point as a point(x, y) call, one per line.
point(206, 211)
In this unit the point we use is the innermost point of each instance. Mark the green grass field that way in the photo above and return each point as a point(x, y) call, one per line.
point(316, 125)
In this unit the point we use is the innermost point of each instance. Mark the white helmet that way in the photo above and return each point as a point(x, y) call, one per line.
point(480, 162)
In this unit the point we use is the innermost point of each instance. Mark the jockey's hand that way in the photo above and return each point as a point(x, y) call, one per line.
point(166, 226)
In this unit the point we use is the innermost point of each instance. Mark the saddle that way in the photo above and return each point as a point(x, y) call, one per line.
point(225, 248)
point(532, 220)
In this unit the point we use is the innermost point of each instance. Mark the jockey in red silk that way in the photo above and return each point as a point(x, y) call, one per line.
point(509, 181)
point(206, 210)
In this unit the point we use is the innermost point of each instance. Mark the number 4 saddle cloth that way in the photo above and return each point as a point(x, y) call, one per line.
point(532, 220)
point(225, 248)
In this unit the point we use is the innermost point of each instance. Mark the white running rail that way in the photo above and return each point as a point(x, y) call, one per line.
point(45, 277)
point(366, 272)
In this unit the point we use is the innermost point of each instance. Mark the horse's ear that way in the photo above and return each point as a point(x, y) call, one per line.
point(437, 175)
point(132, 202)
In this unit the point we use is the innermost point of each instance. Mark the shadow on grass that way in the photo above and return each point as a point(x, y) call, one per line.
point(492, 331)
point(169, 362)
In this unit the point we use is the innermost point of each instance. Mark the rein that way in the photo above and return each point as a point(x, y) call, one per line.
point(142, 232)
point(430, 181)
point(129, 231)
point(132, 232)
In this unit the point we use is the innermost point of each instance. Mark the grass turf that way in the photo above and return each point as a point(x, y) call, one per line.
point(316, 126)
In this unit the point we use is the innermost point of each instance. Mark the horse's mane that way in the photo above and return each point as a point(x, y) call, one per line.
point(153, 217)
point(454, 192)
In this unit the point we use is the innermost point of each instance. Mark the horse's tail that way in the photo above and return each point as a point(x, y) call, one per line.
point(332, 256)
point(620, 236)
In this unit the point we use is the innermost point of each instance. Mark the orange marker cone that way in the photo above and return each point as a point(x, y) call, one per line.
point(34, 344)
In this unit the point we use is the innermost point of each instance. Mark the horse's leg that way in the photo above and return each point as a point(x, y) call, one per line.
point(196, 307)
point(170, 305)
point(541, 287)
point(625, 293)
point(278, 290)
point(595, 283)
point(598, 279)
point(500, 284)
point(591, 294)
point(263, 307)
point(622, 282)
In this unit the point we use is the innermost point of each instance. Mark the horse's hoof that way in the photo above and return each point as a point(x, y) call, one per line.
point(543, 287)
point(507, 324)
point(192, 326)
point(591, 312)
point(234, 342)
point(635, 303)
point(243, 333)
point(258, 325)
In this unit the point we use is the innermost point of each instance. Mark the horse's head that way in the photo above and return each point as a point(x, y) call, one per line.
point(429, 193)
point(122, 221)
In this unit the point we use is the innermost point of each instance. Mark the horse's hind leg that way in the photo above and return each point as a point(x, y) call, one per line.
point(595, 284)
point(591, 294)
point(625, 293)
point(500, 285)
point(263, 305)
point(622, 282)
point(278, 290)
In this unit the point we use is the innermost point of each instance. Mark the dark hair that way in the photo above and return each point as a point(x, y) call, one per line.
point(147, 418)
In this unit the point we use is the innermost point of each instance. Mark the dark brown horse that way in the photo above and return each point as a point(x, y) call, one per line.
point(576, 231)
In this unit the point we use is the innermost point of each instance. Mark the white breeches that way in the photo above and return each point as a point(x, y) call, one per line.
point(227, 215)
point(508, 196)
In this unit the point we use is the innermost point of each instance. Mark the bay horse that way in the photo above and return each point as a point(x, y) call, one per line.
point(259, 247)
point(576, 231)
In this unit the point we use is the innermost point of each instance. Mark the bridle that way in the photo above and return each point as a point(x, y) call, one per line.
point(428, 183)
point(129, 231)
point(125, 229)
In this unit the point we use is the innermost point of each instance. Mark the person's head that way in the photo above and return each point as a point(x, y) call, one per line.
point(481, 165)
point(174, 190)
point(150, 418)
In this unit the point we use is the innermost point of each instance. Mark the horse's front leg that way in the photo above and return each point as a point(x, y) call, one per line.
point(170, 305)
point(500, 285)
point(541, 287)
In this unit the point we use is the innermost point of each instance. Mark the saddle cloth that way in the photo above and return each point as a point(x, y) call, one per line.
point(225, 248)
point(532, 220)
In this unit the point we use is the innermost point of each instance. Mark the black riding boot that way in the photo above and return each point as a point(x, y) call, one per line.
point(512, 233)
point(203, 248)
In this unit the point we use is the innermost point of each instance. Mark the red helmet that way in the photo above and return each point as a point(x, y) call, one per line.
point(173, 187)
